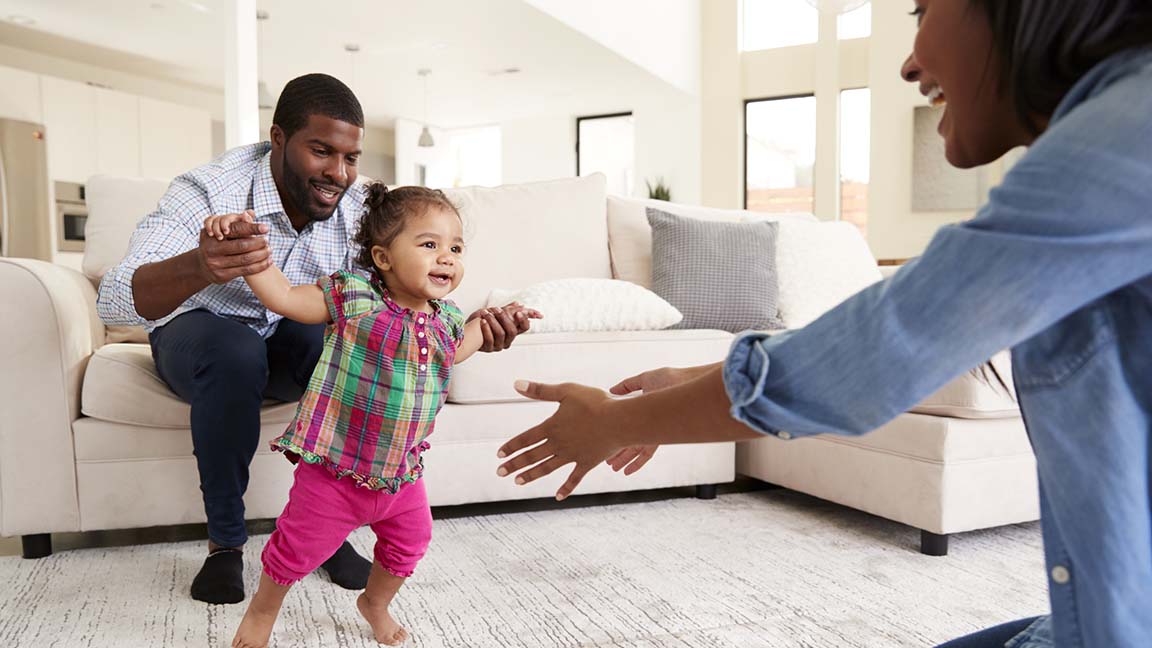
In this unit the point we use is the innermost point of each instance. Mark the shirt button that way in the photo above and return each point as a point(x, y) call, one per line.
point(423, 351)
point(419, 320)
point(420, 334)
point(784, 435)
point(423, 367)
point(1060, 575)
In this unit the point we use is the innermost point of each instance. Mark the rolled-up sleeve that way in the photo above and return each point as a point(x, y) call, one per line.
point(167, 232)
point(1069, 225)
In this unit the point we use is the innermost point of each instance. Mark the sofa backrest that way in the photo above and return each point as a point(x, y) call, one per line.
point(115, 206)
point(518, 235)
point(818, 264)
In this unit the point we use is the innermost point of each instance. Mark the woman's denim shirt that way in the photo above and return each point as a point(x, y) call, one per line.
point(1058, 266)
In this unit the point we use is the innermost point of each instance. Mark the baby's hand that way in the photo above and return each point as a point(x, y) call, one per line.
point(521, 314)
point(219, 227)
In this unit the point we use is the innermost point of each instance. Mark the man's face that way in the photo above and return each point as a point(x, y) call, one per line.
point(315, 166)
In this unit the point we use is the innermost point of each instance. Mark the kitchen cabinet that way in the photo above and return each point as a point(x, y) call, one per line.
point(117, 132)
point(20, 95)
point(70, 121)
point(173, 138)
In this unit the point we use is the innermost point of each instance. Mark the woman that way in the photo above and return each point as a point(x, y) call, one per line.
point(1058, 266)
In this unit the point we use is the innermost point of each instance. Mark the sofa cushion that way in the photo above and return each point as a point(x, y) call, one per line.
point(819, 265)
point(523, 234)
point(597, 359)
point(121, 386)
point(630, 236)
point(982, 393)
point(719, 275)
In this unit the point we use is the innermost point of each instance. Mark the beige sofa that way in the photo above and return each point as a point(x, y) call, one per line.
point(95, 440)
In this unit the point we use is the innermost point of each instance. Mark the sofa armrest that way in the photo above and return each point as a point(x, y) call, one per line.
point(48, 331)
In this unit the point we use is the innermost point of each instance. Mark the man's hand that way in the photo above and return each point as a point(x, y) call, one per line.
point(500, 326)
point(235, 247)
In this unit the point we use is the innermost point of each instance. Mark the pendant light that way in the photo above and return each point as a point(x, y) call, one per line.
point(425, 140)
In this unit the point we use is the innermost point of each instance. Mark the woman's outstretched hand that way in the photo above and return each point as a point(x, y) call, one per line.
point(633, 458)
point(582, 431)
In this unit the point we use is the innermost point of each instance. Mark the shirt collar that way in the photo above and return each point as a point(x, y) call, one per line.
point(265, 196)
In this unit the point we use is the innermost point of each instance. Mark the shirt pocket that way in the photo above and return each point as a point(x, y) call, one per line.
point(1054, 355)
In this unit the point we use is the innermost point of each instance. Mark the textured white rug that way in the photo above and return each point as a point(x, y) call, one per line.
point(770, 568)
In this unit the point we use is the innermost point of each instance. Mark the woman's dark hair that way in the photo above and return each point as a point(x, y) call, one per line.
point(315, 94)
point(385, 211)
point(1046, 46)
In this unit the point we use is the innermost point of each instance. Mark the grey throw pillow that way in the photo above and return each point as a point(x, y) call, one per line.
point(719, 275)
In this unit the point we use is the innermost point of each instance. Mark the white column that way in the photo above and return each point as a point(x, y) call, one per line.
point(721, 106)
point(241, 105)
point(826, 174)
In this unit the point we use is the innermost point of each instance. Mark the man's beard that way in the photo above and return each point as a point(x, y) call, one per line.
point(300, 194)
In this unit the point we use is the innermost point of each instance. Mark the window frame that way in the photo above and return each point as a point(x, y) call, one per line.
point(744, 140)
point(591, 117)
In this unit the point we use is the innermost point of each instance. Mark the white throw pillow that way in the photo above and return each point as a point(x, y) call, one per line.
point(819, 265)
point(580, 305)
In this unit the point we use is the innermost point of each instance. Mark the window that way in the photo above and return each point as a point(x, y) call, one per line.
point(855, 149)
point(780, 150)
point(607, 144)
point(856, 23)
point(768, 24)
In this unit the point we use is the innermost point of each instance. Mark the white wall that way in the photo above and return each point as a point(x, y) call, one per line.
point(541, 148)
point(668, 147)
point(661, 36)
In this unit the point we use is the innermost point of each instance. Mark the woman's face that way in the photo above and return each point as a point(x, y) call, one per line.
point(953, 61)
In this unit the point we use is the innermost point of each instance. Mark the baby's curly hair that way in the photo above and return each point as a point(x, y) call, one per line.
point(385, 211)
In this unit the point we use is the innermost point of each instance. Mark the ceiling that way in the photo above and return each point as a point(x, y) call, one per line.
point(466, 43)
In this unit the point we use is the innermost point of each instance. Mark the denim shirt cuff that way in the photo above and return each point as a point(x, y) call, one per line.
point(745, 374)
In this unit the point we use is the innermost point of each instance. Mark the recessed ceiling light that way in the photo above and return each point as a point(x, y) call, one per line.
point(19, 19)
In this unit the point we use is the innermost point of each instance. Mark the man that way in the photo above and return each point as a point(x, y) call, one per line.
point(213, 342)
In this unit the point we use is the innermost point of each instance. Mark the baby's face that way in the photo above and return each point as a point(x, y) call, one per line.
point(426, 260)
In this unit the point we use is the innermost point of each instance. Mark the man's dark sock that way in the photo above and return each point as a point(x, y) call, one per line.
point(221, 579)
point(347, 568)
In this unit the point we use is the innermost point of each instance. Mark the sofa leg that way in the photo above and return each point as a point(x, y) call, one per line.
point(706, 491)
point(933, 544)
point(37, 545)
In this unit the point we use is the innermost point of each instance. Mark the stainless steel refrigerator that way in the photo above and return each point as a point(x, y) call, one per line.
point(25, 211)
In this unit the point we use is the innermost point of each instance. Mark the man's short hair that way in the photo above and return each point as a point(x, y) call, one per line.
point(315, 94)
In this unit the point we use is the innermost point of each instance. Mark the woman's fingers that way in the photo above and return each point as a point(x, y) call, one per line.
point(542, 469)
point(524, 459)
point(621, 458)
point(573, 481)
point(626, 386)
point(643, 456)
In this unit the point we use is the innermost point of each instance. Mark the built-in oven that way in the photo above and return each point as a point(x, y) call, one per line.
point(71, 216)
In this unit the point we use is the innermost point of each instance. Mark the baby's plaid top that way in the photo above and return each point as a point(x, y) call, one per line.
point(381, 379)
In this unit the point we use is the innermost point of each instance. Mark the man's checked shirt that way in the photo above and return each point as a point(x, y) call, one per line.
point(237, 180)
point(381, 379)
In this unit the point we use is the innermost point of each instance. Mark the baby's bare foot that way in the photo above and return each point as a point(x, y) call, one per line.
point(384, 627)
point(255, 629)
